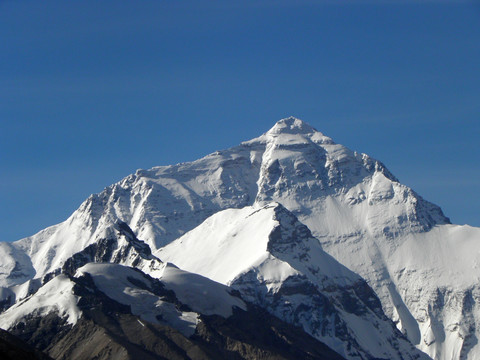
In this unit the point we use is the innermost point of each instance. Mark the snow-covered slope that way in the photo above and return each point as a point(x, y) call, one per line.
point(159, 205)
point(56, 296)
point(433, 285)
point(110, 311)
point(201, 294)
point(16, 266)
point(292, 164)
point(131, 287)
point(115, 243)
point(357, 209)
point(274, 261)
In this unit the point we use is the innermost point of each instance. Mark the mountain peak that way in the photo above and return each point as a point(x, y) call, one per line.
point(291, 125)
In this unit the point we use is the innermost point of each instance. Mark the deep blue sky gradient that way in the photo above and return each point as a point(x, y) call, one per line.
point(92, 90)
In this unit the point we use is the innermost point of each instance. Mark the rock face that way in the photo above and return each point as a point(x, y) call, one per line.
point(242, 336)
point(423, 269)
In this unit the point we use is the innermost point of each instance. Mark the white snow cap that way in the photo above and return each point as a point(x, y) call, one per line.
point(291, 125)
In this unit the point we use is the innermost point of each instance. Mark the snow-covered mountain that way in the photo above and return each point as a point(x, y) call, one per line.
point(110, 311)
point(423, 269)
point(323, 303)
point(145, 296)
point(275, 262)
point(95, 306)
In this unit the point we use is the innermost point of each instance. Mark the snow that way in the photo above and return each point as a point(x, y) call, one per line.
point(234, 241)
point(291, 125)
point(199, 293)
point(51, 247)
point(55, 296)
point(130, 287)
point(15, 266)
point(210, 250)
point(365, 336)
point(271, 271)
point(424, 270)
point(456, 259)
point(26, 289)
point(115, 281)
point(259, 249)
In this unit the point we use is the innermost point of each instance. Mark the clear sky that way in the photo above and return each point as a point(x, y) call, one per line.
point(90, 91)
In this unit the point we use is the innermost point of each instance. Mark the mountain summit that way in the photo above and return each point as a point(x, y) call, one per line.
point(291, 125)
point(423, 270)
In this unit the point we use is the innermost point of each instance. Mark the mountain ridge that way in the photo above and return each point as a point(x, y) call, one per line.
point(359, 212)
point(285, 264)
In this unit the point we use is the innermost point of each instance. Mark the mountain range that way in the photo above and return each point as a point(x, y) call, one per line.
point(286, 246)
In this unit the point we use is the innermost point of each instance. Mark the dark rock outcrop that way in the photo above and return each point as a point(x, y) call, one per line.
point(13, 348)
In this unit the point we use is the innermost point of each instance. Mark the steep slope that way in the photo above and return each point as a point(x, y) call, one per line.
point(63, 294)
point(108, 311)
point(159, 205)
point(292, 164)
point(115, 244)
point(424, 270)
point(433, 286)
point(358, 210)
point(274, 261)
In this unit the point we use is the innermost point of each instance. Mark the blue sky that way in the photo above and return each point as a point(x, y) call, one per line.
point(90, 91)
